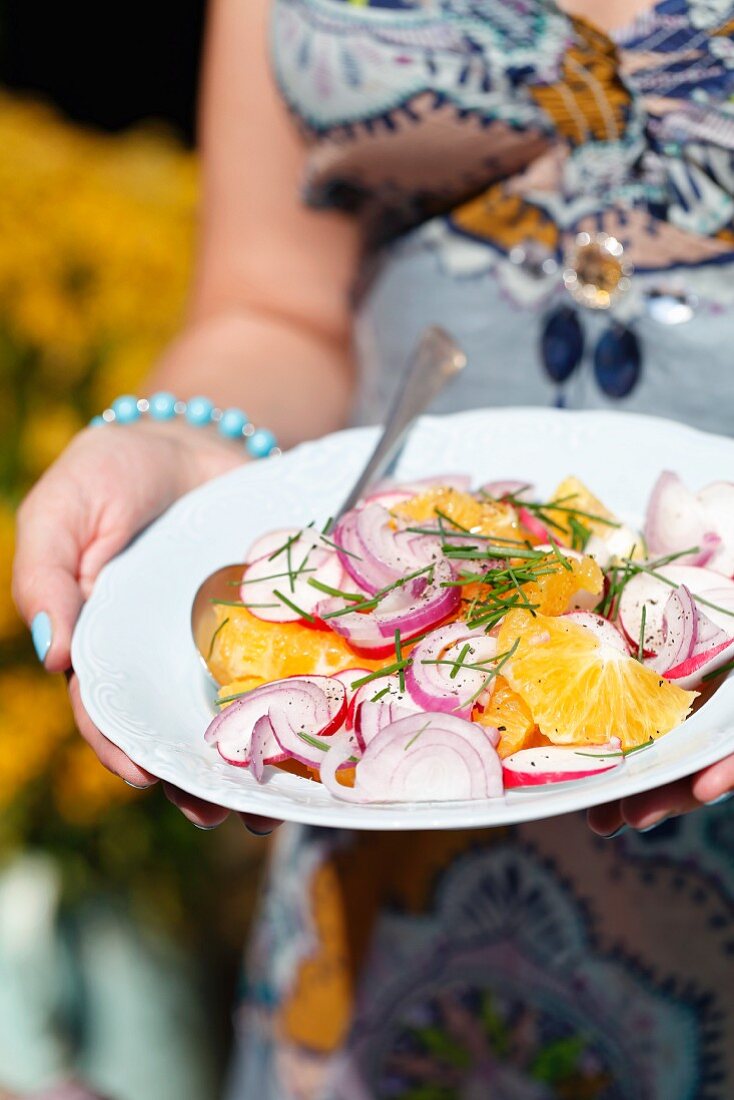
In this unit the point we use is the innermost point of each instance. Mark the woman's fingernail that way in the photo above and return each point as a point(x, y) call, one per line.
point(649, 828)
point(611, 836)
point(204, 828)
point(255, 832)
point(139, 786)
point(720, 799)
point(42, 634)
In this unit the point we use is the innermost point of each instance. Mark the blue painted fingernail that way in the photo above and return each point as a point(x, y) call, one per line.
point(42, 634)
point(720, 799)
point(611, 836)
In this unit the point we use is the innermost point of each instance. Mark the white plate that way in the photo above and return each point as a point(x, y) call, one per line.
point(140, 677)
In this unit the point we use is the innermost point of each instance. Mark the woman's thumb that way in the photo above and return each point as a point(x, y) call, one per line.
point(45, 585)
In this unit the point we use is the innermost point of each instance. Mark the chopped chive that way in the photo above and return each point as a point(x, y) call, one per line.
point(294, 607)
point(270, 577)
point(641, 643)
point(500, 662)
point(415, 736)
point(388, 670)
point(335, 591)
point(231, 603)
point(728, 667)
point(399, 657)
point(335, 546)
point(214, 638)
point(380, 694)
point(458, 663)
point(289, 542)
point(619, 752)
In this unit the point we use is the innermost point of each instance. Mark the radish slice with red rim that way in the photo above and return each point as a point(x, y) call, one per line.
point(278, 590)
point(450, 687)
point(676, 520)
point(556, 764)
point(600, 627)
point(420, 758)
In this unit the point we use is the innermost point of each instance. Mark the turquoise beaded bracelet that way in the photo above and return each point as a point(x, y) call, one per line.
point(197, 411)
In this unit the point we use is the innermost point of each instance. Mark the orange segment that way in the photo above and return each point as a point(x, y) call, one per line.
point(580, 691)
point(509, 714)
point(573, 494)
point(483, 517)
point(552, 591)
point(246, 648)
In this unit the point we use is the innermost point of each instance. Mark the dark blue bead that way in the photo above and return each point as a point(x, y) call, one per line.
point(617, 361)
point(562, 343)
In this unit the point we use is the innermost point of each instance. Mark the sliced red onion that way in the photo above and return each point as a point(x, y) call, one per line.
point(520, 490)
point(375, 552)
point(412, 609)
point(676, 520)
point(431, 685)
point(267, 576)
point(652, 594)
point(421, 758)
point(693, 645)
point(318, 702)
point(264, 748)
point(717, 501)
point(556, 764)
point(389, 497)
point(680, 629)
point(601, 628)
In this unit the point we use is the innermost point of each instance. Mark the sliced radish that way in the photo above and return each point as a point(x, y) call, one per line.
point(316, 702)
point(533, 526)
point(274, 543)
point(717, 501)
point(449, 687)
point(689, 673)
point(271, 585)
point(676, 520)
point(556, 764)
point(653, 594)
point(600, 627)
point(421, 758)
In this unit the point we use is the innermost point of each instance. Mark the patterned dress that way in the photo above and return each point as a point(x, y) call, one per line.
point(476, 139)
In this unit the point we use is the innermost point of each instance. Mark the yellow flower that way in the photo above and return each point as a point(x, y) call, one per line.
point(35, 717)
point(83, 790)
point(45, 434)
point(10, 622)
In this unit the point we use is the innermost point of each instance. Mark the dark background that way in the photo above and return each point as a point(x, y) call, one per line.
point(107, 64)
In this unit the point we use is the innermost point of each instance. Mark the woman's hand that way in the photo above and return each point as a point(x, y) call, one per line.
point(644, 811)
point(109, 484)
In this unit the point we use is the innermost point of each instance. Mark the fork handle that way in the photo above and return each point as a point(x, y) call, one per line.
point(434, 362)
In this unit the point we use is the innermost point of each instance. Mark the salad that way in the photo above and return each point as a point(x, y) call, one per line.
point(442, 643)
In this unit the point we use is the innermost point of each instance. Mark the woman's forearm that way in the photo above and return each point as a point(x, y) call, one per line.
point(285, 375)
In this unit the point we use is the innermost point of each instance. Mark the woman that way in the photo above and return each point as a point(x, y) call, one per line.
point(502, 155)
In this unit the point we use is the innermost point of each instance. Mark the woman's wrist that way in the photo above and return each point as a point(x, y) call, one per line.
point(231, 424)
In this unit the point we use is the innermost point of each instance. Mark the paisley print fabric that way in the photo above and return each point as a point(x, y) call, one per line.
point(519, 122)
point(538, 963)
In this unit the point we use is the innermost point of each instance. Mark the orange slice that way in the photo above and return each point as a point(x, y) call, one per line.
point(483, 517)
point(552, 591)
point(580, 691)
point(582, 506)
point(249, 650)
point(509, 714)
